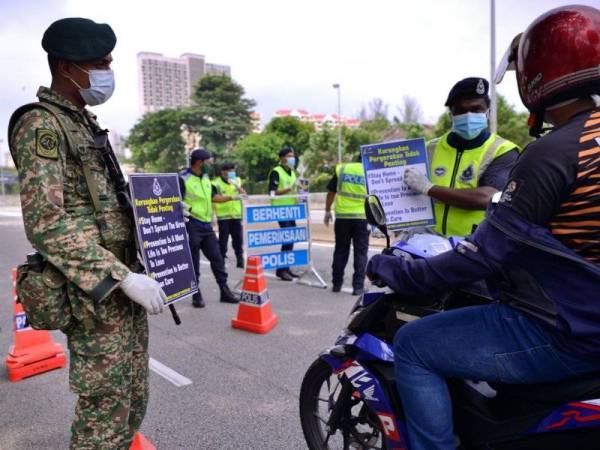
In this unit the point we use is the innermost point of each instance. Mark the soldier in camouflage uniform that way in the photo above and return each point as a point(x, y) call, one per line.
point(53, 146)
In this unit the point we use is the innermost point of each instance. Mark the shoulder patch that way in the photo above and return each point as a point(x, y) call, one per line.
point(46, 143)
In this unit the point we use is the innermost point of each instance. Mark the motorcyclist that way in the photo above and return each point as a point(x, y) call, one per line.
point(539, 248)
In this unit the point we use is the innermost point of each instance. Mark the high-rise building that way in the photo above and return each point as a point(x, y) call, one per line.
point(166, 82)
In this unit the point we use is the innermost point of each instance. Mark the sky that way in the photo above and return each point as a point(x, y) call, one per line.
point(286, 54)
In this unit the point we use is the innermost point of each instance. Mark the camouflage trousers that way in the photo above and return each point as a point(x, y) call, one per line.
point(109, 372)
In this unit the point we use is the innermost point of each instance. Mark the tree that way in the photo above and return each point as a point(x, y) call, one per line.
point(220, 113)
point(155, 141)
point(321, 157)
point(257, 154)
point(409, 112)
point(512, 125)
point(293, 131)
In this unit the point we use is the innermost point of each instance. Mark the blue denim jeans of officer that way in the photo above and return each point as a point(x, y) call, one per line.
point(485, 343)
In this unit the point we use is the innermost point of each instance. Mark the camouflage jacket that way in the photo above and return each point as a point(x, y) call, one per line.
point(58, 213)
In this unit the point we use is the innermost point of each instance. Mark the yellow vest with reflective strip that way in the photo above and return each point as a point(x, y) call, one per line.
point(461, 170)
point(351, 191)
point(198, 195)
point(285, 181)
point(231, 209)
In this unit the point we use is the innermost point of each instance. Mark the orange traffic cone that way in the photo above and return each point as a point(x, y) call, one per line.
point(141, 443)
point(34, 351)
point(254, 313)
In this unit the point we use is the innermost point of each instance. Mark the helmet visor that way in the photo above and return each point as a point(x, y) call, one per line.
point(508, 61)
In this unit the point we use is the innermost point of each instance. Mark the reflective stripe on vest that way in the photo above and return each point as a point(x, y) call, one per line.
point(227, 210)
point(461, 170)
point(351, 191)
point(285, 181)
point(198, 195)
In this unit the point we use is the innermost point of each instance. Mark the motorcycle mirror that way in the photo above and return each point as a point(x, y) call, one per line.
point(376, 215)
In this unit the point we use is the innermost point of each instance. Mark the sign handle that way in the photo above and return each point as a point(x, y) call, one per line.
point(174, 314)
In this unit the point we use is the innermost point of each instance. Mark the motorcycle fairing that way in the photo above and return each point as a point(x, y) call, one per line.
point(372, 393)
point(571, 415)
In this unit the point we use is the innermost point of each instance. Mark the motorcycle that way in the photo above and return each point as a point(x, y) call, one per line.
point(348, 397)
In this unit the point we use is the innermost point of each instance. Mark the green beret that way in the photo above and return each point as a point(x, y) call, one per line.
point(77, 39)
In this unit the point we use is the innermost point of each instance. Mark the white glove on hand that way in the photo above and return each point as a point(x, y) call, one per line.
point(417, 181)
point(145, 291)
point(327, 218)
point(236, 197)
point(186, 211)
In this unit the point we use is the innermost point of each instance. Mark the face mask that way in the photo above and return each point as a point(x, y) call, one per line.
point(291, 161)
point(231, 175)
point(469, 125)
point(205, 169)
point(102, 86)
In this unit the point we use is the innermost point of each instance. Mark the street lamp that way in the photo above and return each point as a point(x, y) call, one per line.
point(493, 103)
point(337, 86)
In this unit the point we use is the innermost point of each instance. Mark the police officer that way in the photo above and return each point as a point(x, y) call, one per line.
point(347, 187)
point(283, 181)
point(62, 174)
point(198, 194)
point(229, 214)
point(467, 165)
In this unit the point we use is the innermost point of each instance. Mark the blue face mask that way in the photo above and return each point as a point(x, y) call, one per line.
point(291, 161)
point(469, 125)
point(231, 175)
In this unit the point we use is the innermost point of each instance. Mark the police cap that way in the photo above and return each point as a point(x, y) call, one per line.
point(469, 88)
point(228, 166)
point(285, 150)
point(199, 154)
point(77, 39)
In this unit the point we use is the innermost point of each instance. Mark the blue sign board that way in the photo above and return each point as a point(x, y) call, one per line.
point(384, 169)
point(276, 236)
point(279, 260)
point(262, 214)
point(161, 233)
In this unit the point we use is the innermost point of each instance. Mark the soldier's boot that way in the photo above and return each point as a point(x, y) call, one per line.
point(226, 295)
point(197, 300)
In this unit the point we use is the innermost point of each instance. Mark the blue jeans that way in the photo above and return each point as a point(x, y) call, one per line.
point(485, 343)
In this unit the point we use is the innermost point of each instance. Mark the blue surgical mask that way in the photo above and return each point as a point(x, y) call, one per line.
point(231, 175)
point(291, 161)
point(102, 86)
point(469, 125)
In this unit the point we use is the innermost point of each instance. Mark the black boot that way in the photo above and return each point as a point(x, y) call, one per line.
point(226, 295)
point(240, 262)
point(283, 274)
point(197, 300)
point(293, 274)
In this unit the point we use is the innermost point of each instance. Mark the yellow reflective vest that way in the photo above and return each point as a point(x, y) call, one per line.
point(231, 209)
point(351, 191)
point(198, 195)
point(285, 181)
point(461, 169)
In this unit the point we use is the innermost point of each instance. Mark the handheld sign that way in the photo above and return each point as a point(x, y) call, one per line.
point(384, 170)
point(162, 235)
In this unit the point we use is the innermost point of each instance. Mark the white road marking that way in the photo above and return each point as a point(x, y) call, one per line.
point(168, 374)
point(10, 214)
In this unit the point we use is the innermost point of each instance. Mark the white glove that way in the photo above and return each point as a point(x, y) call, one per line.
point(236, 197)
point(327, 218)
point(185, 208)
point(145, 291)
point(417, 181)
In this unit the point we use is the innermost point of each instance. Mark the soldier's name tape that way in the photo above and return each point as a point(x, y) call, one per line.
point(261, 214)
point(277, 236)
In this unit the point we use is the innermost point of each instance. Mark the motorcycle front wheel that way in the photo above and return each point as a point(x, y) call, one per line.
point(333, 415)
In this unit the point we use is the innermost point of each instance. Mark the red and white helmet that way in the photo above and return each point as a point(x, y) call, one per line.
point(557, 58)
